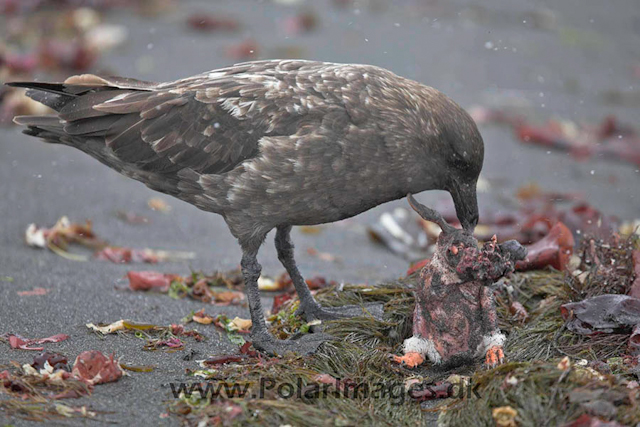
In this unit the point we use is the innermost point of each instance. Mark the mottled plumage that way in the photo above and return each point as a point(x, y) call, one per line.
point(272, 144)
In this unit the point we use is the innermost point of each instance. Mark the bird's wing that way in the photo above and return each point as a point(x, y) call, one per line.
point(164, 130)
point(211, 122)
point(207, 123)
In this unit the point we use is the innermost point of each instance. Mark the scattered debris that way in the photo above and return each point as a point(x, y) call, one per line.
point(47, 382)
point(93, 368)
point(209, 23)
point(634, 289)
point(120, 255)
point(212, 289)
point(158, 204)
point(55, 360)
point(240, 325)
point(284, 282)
point(47, 39)
point(301, 23)
point(149, 280)
point(35, 291)
point(64, 233)
point(218, 288)
point(220, 360)
point(554, 250)
point(244, 50)
point(120, 325)
point(233, 328)
point(606, 266)
point(324, 256)
point(605, 314)
point(517, 310)
point(402, 234)
point(70, 411)
point(538, 211)
point(16, 341)
point(132, 218)
point(440, 390)
point(172, 344)
point(155, 336)
point(585, 420)
point(544, 393)
point(310, 229)
point(505, 416)
point(268, 284)
point(37, 386)
point(202, 318)
point(609, 139)
point(132, 368)
point(279, 301)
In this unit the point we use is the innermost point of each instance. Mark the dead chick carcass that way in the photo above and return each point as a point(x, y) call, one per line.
point(455, 318)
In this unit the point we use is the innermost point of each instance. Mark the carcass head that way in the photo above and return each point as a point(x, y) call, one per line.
point(458, 250)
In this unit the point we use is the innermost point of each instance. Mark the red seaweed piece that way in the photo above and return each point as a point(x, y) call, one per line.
point(418, 266)
point(278, 302)
point(210, 23)
point(634, 291)
point(147, 280)
point(171, 343)
point(517, 310)
point(586, 420)
point(301, 23)
point(93, 367)
point(125, 255)
point(18, 342)
point(243, 50)
point(246, 349)
point(608, 313)
point(221, 360)
point(57, 361)
point(634, 340)
point(554, 250)
point(442, 390)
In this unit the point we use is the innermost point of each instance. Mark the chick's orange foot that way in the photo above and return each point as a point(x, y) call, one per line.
point(494, 356)
point(410, 360)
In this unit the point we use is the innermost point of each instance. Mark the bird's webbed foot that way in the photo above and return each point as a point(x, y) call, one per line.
point(305, 344)
point(314, 311)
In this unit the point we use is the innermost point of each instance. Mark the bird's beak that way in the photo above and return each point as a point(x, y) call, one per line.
point(466, 203)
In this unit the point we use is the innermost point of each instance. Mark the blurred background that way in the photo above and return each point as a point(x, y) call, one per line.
point(554, 87)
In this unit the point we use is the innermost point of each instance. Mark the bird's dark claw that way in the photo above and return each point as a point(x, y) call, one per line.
point(317, 312)
point(306, 344)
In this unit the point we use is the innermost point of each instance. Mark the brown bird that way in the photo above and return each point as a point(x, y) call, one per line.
point(272, 144)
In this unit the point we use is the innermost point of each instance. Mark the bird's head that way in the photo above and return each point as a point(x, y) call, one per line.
point(457, 145)
point(464, 154)
point(444, 149)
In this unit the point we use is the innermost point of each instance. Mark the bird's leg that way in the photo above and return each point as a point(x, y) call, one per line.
point(261, 338)
point(309, 307)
